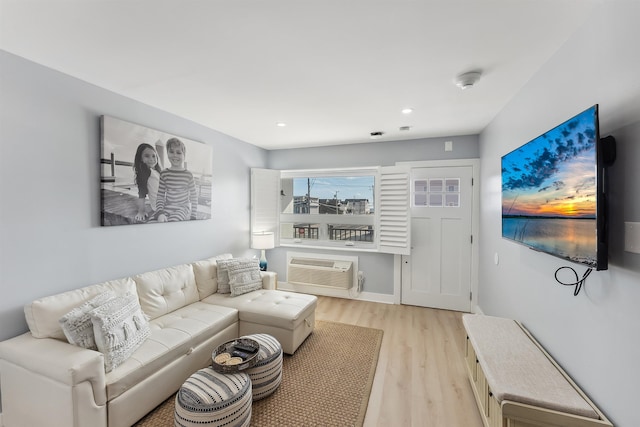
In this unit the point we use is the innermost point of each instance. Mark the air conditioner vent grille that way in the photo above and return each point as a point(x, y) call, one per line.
point(320, 272)
point(313, 262)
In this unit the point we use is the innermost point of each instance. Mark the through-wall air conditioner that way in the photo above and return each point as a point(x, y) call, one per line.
point(320, 272)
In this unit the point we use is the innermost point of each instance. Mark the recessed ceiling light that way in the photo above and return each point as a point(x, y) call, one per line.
point(376, 135)
point(407, 110)
point(404, 128)
point(281, 124)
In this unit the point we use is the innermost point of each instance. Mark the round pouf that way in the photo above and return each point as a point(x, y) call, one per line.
point(214, 399)
point(266, 374)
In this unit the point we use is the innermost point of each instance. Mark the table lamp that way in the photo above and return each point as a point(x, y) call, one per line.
point(263, 240)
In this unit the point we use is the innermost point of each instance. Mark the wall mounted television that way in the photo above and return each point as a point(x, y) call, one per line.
point(553, 192)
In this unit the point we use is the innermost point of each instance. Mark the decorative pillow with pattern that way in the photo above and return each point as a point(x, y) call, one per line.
point(77, 325)
point(244, 276)
point(206, 274)
point(120, 328)
point(223, 275)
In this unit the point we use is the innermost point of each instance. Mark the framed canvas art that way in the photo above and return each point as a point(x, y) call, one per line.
point(150, 176)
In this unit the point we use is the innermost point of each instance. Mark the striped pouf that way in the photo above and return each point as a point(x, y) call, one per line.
point(214, 399)
point(266, 374)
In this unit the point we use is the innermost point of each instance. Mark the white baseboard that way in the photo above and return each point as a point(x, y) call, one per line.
point(336, 292)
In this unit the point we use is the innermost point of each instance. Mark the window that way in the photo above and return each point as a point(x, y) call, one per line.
point(436, 192)
point(350, 209)
point(331, 207)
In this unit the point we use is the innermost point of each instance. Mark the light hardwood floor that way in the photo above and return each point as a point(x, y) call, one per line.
point(421, 378)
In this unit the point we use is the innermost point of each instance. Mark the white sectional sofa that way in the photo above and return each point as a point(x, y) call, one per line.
point(46, 381)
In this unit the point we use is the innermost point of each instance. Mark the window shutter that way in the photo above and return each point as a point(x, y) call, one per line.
point(394, 221)
point(265, 201)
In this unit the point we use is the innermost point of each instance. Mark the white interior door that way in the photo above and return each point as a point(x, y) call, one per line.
point(438, 272)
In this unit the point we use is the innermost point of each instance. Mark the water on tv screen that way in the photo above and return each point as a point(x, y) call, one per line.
point(550, 191)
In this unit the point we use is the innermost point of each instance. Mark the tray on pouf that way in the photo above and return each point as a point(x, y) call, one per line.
point(229, 347)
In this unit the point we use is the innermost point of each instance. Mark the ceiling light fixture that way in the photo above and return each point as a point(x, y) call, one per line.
point(404, 128)
point(467, 80)
point(407, 110)
point(281, 124)
point(376, 135)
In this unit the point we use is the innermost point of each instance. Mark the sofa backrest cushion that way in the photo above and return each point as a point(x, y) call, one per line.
point(163, 291)
point(42, 315)
point(206, 273)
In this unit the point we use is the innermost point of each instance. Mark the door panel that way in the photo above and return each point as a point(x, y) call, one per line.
point(438, 271)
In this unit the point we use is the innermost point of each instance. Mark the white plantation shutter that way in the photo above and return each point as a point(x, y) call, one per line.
point(265, 198)
point(394, 223)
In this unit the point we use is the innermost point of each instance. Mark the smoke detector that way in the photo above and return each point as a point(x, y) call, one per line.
point(467, 80)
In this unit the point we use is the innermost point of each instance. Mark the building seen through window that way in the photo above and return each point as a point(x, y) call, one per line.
point(338, 208)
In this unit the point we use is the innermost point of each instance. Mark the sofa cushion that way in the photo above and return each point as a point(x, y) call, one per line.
point(276, 308)
point(206, 274)
point(120, 328)
point(172, 335)
point(244, 277)
point(42, 315)
point(77, 325)
point(163, 291)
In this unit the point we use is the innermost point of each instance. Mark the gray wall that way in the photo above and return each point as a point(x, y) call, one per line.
point(377, 268)
point(51, 239)
point(593, 335)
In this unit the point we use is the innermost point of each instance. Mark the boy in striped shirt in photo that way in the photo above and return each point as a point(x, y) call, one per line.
point(177, 197)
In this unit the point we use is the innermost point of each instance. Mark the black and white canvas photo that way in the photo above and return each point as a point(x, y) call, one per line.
point(150, 176)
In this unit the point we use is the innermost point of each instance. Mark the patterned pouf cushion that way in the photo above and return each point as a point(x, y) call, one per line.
point(266, 374)
point(214, 399)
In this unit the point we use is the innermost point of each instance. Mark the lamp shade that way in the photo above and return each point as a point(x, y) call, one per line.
point(262, 240)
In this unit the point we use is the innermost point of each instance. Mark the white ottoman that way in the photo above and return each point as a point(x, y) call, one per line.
point(266, 374)
point(214, 399)
point(287, 316)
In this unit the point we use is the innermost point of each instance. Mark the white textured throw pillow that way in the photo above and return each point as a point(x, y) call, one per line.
point(77, 325)
point(206, 274)
point(223, 275)
point(120, 327)
point(244, 276)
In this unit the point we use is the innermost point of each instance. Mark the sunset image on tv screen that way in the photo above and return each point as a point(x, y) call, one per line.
point(549, 190)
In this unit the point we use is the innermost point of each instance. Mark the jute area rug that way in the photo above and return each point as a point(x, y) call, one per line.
point(327, 382)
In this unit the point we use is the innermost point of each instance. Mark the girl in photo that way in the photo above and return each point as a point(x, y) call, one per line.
point(147, 178)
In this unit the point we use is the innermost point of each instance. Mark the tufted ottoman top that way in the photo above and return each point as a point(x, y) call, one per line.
point(276, 308)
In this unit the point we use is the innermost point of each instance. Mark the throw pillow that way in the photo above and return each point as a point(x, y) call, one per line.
point(223, 275)
point(120, 328)
point(244, 277)
point(77, 325)
point(206, 273)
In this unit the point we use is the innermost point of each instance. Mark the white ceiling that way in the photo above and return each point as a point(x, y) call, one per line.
point(332, 70)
